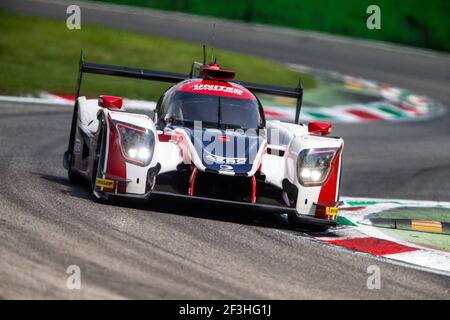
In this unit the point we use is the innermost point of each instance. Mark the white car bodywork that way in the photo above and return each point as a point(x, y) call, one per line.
point(280, 170)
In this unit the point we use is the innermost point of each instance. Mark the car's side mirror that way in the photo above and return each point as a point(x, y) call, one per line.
point(110, 102)
point(322, 128)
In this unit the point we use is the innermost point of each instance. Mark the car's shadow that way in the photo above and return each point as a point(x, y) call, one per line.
point(219, 212)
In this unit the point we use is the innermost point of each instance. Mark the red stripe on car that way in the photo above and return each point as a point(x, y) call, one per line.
point(191, 189)
point(253, 198)
point(116, 165)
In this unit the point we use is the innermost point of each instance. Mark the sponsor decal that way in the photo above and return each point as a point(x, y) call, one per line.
point(226, 167)
point(105, 183)
point(217, 88)
point(222, 160)
point(77, 146)
point(241, 151)
point(331, 211)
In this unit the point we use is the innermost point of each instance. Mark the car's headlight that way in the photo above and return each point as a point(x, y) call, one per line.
point(136, 144)
point(314, 165)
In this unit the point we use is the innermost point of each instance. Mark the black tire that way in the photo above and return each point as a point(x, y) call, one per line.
point(99, 151)
point(74, 178)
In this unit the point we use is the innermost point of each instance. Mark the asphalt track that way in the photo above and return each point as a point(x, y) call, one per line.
point(173, 250)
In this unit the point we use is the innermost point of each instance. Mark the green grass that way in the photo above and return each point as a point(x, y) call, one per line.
point(430, 240)
point(38, 54)
point(434, 214)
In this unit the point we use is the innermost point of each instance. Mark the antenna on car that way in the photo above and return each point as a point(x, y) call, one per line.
point(80, 74)
point(298, 106)
point(213, 43)
point(204, 55)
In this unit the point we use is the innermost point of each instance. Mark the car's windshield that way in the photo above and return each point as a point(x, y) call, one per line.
point(216, 111)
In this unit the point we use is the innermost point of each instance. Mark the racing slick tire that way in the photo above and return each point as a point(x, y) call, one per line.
point(74, 178)
point(98, 156)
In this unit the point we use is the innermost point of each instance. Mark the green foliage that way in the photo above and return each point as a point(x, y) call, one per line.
point(38, 54)
point(415, 213)
point(410, 22)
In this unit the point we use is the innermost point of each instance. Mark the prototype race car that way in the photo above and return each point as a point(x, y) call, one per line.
point(206, 140)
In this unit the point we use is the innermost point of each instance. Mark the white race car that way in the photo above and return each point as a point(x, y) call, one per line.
point(207, 140)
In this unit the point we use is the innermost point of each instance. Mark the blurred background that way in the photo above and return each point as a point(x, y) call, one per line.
point(409, 22)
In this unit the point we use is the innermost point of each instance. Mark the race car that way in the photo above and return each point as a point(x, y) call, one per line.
point(207, 140)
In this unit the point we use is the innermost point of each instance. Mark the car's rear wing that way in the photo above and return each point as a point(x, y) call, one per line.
point(163, 76)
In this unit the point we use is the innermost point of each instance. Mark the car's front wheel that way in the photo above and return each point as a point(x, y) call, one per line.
point(97, 160)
